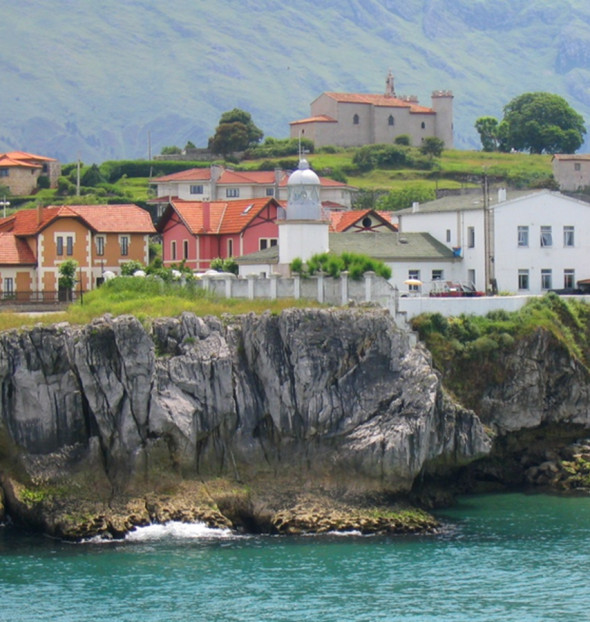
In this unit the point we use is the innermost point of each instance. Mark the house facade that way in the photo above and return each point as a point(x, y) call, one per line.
point(219, 184)
point(520, 242)
point(196, 232)
point(20, 171)
point(571, 172)
point(357, 119)
point(100, 238)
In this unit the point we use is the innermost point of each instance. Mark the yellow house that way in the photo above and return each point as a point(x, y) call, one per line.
point(100, 238)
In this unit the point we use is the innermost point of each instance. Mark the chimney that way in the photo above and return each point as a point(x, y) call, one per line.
point(206, 215)
point(501, 195)
point(415, 207)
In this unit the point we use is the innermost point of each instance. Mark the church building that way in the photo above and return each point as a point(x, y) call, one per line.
point(356, 119)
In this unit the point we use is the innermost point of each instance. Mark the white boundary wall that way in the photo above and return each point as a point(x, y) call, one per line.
point(343, 290)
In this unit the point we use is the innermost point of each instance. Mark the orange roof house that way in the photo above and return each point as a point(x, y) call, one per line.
point(359, 221)
point(20, 171)
point(217, 184)
point(100, 238)
point(356, 119)
point(196, 232)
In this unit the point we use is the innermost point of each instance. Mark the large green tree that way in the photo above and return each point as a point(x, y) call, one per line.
point(534, 122)
point(236, 132)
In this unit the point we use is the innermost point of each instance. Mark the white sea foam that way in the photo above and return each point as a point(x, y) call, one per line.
point(176, 530)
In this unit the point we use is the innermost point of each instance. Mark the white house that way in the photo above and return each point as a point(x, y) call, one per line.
point(218, 184)
point(525, 242)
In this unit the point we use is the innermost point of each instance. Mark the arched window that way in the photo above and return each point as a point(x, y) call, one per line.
point(423, 125)
point(355, 119)
point(391, 120)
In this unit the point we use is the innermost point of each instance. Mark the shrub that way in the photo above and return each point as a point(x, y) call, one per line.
point(43, 182)
point(403, 139)
point(129, 268)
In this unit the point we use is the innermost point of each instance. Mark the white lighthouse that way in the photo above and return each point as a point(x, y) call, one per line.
point(304, 232)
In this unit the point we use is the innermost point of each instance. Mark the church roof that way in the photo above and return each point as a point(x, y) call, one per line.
point(380, 100)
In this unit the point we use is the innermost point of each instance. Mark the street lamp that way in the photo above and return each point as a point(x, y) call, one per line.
point(4, 203)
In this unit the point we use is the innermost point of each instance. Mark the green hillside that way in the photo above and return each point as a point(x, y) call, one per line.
point(108, 80)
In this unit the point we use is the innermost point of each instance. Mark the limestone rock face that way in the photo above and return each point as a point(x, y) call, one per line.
point(543, 385)
point(334, 395)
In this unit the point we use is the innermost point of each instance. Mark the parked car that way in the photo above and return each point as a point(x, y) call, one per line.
point(453, 289)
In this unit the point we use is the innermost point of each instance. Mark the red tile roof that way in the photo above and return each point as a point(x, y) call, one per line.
point(379, 100)
point(14, 251)
point(127, 218)
point(6, 160)
point(224, 216)
point(23, 155)
point(320, 118)
point(247, 177)
point(342, 221)
point(191, 174)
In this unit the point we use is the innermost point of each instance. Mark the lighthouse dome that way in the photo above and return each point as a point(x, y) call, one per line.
point(304, 194)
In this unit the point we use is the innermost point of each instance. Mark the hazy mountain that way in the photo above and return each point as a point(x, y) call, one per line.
point(98, 78)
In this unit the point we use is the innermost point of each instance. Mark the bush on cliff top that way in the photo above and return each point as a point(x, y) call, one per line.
point(470, 350)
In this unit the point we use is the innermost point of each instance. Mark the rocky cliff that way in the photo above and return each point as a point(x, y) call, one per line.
point(331, 400)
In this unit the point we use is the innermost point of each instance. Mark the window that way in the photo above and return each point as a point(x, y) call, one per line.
point(172, 250)
point(448, 236)
point(569, 278)
point(413, 275)
point(546, 278)
point(69, 245)
point(523, 279)
point(59, 241)
point(270, 192)
point(423, 125)
point(523, 236)
point(568, 236)
point(100, 245)
point(267, 243)
point(471, 277)
point(577, 166)
point(471, 237)
point(230, 248)
point(124, 245)
point(4, 172)
point(391, 120)
point(185, 249)
point(437, 275)
point(8, 286)
point(546, 238)
point(197, 189)
point(355, 119)
point(232, 193)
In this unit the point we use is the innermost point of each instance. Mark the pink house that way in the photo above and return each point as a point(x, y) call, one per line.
point(198, 231)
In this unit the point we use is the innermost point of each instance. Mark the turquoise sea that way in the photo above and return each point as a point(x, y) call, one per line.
point(498, 557)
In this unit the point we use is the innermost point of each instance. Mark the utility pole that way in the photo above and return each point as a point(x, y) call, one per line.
point(78, 176)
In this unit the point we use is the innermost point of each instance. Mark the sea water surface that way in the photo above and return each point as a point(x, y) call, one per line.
point(498, 557)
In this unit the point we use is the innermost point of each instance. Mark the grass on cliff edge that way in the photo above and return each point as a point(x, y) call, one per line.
point(145, 299)
point(470, 351)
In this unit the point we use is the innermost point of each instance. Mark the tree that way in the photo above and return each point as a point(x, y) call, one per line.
point(172, 150)
point(487, 128)
point(67, 277)
point(541, 122)
point(432, 146)
point(236, 132)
